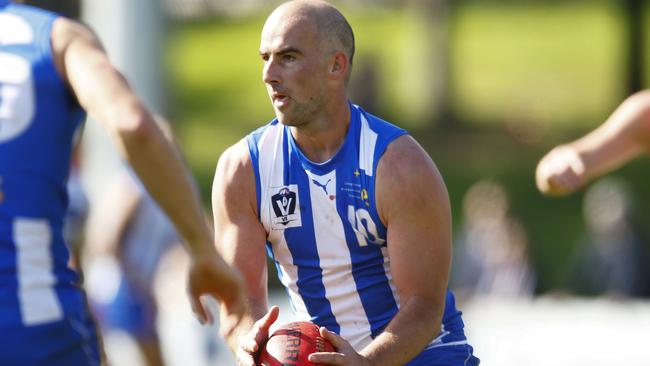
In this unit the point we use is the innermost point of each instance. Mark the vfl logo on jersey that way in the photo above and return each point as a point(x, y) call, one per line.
point(286, 208)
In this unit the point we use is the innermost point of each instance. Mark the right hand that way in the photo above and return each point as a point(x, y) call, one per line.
point(560, 172)
point(251, 343)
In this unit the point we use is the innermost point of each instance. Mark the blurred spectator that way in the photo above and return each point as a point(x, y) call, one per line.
point(491, 254)
point(129, 226)
point(612, 259)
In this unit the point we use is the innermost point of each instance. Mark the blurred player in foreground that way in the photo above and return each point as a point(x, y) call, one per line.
point(51, 68)
point(624, 136)
point(352, 210)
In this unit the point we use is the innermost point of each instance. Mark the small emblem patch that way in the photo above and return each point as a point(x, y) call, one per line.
point(285, 205)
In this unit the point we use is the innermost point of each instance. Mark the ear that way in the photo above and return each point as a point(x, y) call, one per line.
point(339, 65)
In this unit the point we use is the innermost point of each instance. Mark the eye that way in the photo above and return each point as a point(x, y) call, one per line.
point(264, 56)
point(288, 58)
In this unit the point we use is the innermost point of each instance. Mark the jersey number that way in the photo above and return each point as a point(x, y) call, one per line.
point(16, 96)
point(364, 227)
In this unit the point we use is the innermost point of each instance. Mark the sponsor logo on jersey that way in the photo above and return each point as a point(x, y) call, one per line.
point(285, 206)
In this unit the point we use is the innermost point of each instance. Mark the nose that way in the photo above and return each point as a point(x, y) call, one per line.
point(271, 72)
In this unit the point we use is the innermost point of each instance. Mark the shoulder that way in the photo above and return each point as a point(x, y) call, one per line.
point(233, 187)
point(234, 161)
point(403, 157)
point(65, 30)
point(406, 171)
point(65, 34)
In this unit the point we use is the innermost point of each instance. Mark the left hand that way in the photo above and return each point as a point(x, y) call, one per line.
point(345, 355)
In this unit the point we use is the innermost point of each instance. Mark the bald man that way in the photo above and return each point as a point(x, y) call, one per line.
point(624, 136)
point(352, 210)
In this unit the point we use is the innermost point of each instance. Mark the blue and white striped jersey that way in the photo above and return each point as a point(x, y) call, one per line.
point(324, 232)
point(38, 118)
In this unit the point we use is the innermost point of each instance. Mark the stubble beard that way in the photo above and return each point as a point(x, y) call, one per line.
point(299, 114)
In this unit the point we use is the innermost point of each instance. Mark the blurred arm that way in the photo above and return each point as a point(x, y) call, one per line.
point(624, 136)
point(419, 246)
point(107, 97)
point(110, 219)
point(240, 237)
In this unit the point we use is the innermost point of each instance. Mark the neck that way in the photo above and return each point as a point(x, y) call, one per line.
point(322, 138)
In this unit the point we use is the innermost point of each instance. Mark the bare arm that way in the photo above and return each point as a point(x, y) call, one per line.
point(107, 97)
point(241, 238)
point(419, 246)
point(624, 136)
point(419, 237)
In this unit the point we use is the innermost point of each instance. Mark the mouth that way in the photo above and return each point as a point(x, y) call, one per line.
point(279, 99)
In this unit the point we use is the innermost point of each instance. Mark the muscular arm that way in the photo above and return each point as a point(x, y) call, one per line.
point(624, 136)
point(419, 246)
point(240, 237)
point(104, 93)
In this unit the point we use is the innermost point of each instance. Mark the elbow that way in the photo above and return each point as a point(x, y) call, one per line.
point(640, 102)
point(133, 125)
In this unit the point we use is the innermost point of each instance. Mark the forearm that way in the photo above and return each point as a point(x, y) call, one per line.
point(412, 328)
point(160, 167)
point(624, 136)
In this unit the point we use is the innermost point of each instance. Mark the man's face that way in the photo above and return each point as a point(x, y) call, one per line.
point(295, 69)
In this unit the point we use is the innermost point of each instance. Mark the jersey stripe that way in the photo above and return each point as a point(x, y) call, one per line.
point(38, 301)
point(367, 144)
point(335, 260)
point(302, 244)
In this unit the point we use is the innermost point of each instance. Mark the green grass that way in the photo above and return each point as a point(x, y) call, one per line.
point(551, 65)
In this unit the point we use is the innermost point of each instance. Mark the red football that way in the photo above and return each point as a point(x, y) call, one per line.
point(292, 344)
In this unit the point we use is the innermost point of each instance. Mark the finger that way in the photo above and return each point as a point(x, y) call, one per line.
point(209, 317)
point(197, 308)
point(327, 358)
point(270, 317)
point(334, 338)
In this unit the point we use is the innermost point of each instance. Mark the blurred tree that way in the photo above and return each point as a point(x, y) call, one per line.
point(430, 80)
point(69, 8)
point(634, 10)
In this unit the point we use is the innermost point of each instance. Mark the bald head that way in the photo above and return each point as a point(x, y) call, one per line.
point(333, 30)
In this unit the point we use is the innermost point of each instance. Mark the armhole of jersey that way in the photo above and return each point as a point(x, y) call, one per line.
point(380, 151)
point(254, 156)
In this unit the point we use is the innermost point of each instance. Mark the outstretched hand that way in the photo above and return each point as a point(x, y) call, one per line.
point(210, 275)
point(345, 355)
point(560, 172)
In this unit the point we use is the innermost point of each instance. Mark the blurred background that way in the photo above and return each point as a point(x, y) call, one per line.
point(487, 87)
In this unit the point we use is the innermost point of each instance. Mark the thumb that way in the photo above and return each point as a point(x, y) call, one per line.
point(332, 337)
point(269, 318)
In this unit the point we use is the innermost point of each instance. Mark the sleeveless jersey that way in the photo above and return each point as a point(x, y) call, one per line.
point(38, 117)
point(325, 235)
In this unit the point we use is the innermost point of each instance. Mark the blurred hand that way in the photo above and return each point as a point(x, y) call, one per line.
point(560, 172)
point(249, 345)
point(210, 275)
point(345, 355)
